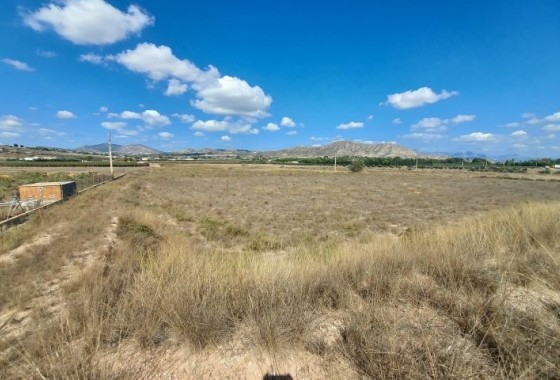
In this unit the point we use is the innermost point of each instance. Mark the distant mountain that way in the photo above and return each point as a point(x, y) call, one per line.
point(129, 150)
point(347, 148)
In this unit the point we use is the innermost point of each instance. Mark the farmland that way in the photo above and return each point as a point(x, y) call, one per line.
point(212, 271)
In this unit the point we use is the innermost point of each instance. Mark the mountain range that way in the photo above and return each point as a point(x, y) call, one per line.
point(125, 150)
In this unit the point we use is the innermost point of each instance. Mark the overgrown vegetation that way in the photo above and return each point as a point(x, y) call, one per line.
point(479, 298)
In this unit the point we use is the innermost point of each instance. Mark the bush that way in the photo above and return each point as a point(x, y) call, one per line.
point(356, 166)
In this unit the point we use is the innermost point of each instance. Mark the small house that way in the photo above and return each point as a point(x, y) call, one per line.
point(47, 192)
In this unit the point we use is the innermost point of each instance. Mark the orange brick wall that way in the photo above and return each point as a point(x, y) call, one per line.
point(50, 193)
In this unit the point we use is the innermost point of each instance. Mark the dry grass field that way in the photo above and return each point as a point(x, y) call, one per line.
point(235, 271)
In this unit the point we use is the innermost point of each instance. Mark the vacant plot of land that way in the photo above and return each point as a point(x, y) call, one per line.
point(229, 271)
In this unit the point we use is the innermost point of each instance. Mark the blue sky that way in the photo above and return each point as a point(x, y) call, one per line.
point(436, 76)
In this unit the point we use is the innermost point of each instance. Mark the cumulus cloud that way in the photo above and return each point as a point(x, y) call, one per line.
point(155, 119)
point(88, 22)
point(554, 117)
point(175, 88)
point(19, 65)
point(225, 138)
point(430, 123)
point(527, 115)
point(291, 133)
point(159, 63)
point(92, 58)
point(271, 127)
point(397, 121)
point(520, 133)
point(215, 94)
point(211, 125)
point(435, 124)
point(476, 137)
point(116, 125)
point(166, 135)
point(184, 118)
point(199, 134)
point(10, 123)
point(119, 126)
point(224, 126)
point(351, 125)
point(103, 109)
point(417, 98)
point(551, 128)
point(534, 120)
point(423, 136)
point(232, 96)
point(463, 118)
point(64, 114)
point(287, 122)
point(150, 117)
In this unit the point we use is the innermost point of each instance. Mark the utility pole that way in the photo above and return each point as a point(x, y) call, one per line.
point(335, 162)
point(111, 157)
point(416, 166)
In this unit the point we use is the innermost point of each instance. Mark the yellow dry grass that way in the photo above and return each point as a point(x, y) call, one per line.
point(243, 270)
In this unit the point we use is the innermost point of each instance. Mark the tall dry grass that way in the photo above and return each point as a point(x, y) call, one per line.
point(480, 298)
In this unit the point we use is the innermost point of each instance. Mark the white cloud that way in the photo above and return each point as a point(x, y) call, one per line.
point(92, 58)
point(103, 109)
point(417, 98)
point(199, 134)
point(519, 146)
point(423, 136)
point(225, 138)
point(476, 137)
point(463, 118)
point(46, 53)
point(175, 88)
point(116, 125)
point(554, 117)
point(527, 115)
point(370, 117)
point(130, 115)
point(155, 119)
point(232, 96)
point(224, 126)
point(314, 138)
point(159, 63)
point(520, 133)
point(291, 133)
point(271, 127)
point(211, 125)
point(49, 133)
point(10, 122)
point(88, 22)
point(551, 128)
point(64, 114)
point(8, 135)
point(19, 65)
point(166, 135)
point(534, 120)
point(184, 118)
point(215, 94)
point(431, 123)
point(151, 117)
point(511, 125)
point(350, 125)
point(397, 121)
point(287, 122)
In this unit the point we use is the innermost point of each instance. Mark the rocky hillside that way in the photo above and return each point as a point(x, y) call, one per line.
point(348, 148)
point(118, 149)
